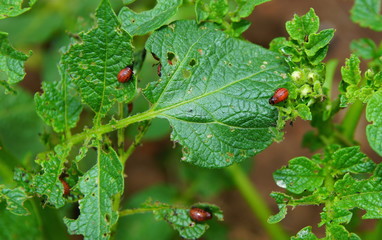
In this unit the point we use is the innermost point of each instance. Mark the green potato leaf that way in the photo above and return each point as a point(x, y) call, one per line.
point(364, 47)
point(57, 106)
point(95, 61)
point(48, 183)
point(180, 220)
point(301, 174)
point(14, 7)
point(374, 130)
point(147, 21)
point(305, 234)
point(303, 26)
point(367, 14)
point(246, 7)
point(352, 160)
point(351, 72)
point(15, 200)
point(214, 10)
point(318, 41)
point(214, 94)
point(99, 185)
point(364, 194)
point(11, 63)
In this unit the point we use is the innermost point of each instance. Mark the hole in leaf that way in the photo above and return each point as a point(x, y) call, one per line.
point(107, 218)
point(192, 62)
point(171, 59)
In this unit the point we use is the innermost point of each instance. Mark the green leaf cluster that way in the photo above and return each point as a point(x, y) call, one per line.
point(365, 87)
point(229, 14)
point(338, 181)
point(305, 50)
point(180, 220)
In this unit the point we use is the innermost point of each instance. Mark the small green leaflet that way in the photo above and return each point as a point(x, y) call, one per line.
point(351, 72)
point(303, 26)
point(11, 63)
point(245, 8)
point(15, 200)
point(94, 62)
point(98, 185)
point(48, 183)
point(374, 130)
point(339, 189)
point(56, 106)
point(367, 13)
point(213, 10)
point(214, 94)
point(305, 234)
point(147, 21)
point(301, 174)
point(180, 220)
point(365, 48)
point(14, 7)
point(364, 194)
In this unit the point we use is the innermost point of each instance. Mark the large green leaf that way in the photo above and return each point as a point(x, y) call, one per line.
point(367, 14)
point(374, 130)
point(95, 62)
point(57, 106)
point(98, 185)
point(147, 21)
point(14, 7)
point(11, 63)
point(214, 91)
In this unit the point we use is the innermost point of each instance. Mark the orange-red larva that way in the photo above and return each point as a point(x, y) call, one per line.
point(281, 94)
point(199, 215)
point(66, 187)
point(125, 74)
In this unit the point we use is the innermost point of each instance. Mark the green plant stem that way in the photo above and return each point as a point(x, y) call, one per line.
point(115, 125)
point(351, 119)
point(127, 212)
point(120, 133)
point(331, 66)
point(329, 184)
point(256, 202)
point(137, 140)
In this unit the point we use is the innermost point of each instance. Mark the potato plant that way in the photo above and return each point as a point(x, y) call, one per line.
point(63, 153)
